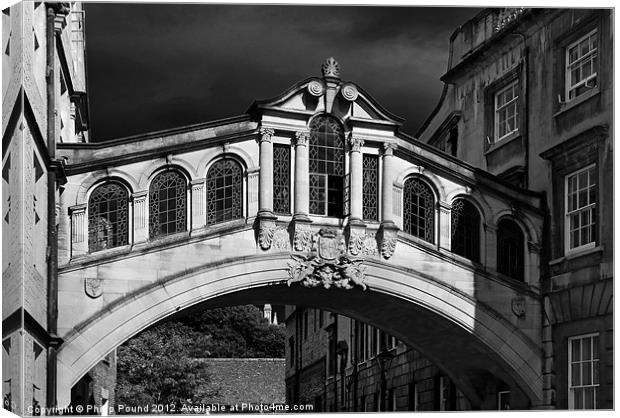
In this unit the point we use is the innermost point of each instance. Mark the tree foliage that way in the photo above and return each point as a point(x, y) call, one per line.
point(159, 366)
point(156, 367)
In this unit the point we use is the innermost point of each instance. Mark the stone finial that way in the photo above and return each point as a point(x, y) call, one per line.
point(331, 68)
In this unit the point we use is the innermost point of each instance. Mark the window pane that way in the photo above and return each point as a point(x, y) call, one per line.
point(224, 191)
point(107, 217)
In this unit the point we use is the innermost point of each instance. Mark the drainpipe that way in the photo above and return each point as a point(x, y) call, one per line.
point(53, 10)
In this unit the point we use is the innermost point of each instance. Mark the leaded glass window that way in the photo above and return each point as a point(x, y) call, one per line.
point(370, 187)
point(510, 244)
point(281, 178)
point(419, 209)
point(224, 191)
point(326, 150)
point(465, 230)
point(167, 204)
point(108, 212)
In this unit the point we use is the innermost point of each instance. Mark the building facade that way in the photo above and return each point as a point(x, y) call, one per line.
point(528, 97)
point(316, 198)
point(339, 364)
point(44, 103)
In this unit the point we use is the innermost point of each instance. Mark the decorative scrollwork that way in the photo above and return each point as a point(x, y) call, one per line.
point(314, 271)
point(265, 236)
point(362, 244)
point(349, 92)
point(302, 241)
point(281, 239)
point(388, 245)
point(316, 88)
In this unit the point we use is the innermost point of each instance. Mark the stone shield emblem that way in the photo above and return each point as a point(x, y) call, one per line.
point(330, 244)
point(93, 287)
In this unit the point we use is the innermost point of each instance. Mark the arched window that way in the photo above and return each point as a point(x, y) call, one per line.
point(108, 212)
point(510, 244)
point(419, 209)
point(224, 191)
point(167, 204)
point(465, 230)
point(326, 152)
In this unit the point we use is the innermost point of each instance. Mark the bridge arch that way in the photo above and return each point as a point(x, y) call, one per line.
point(485, 340)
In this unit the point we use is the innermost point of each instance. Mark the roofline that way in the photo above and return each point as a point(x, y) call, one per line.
point(257, 104)
point(155, 134)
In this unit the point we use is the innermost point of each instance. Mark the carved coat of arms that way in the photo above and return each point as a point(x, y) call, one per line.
point(327, 265)
point(93, 287)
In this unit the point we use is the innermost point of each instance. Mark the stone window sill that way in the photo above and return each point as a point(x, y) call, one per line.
point(565, 107)
point(506, 140)
point(576, 254)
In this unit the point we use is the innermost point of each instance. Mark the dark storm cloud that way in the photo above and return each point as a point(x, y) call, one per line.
point(156, 66)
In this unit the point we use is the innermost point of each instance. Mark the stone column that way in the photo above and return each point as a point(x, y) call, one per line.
point(302, 176)
point(355, 170)
point(79, 230)
point(140, 217)
point(266, 218)
point(389, 230)
point(445, 225)
point(387, 183)
point(265, 187)
point(199, 203)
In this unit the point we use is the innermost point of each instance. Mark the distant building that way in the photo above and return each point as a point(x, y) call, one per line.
point(336, 363)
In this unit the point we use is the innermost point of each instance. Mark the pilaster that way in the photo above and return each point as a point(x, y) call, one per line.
point(302, 177)
point(445, 225)
point(79, 230)
point(491, 247)
point(198, 197)
point(140, 216)
point(265, 205)
point(388, 233)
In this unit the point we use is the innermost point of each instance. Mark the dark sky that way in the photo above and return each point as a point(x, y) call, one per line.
point(157, 66)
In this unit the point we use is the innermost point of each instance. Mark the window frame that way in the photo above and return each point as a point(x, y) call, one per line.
point(571, 397)
point(186, 209)
point(514, 85)
point(567, 65)
point(226, 213)
point(566, 218)
point(477, 250)
point(89, 213)
point(324, 176)
point(433, 209)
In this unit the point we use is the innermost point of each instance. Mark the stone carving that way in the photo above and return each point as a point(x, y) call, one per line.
point(356, 143)
point(331, 68)
point(362, 244)
point(388, 245)
point(265, 235)
point(327, 265)
point(302, 241)
point(507, 16)
point(93, 287)
point(281, 239)
point(302, 137)
point(349, 92)
point(316, 88)
point(518, 306)
point(266, 134)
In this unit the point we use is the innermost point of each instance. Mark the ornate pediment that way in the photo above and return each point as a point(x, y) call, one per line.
point(329, 94)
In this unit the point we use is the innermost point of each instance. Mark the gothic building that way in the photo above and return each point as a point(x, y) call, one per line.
point(485, 232)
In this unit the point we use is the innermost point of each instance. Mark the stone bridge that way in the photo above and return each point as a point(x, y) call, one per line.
point(314, 198)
